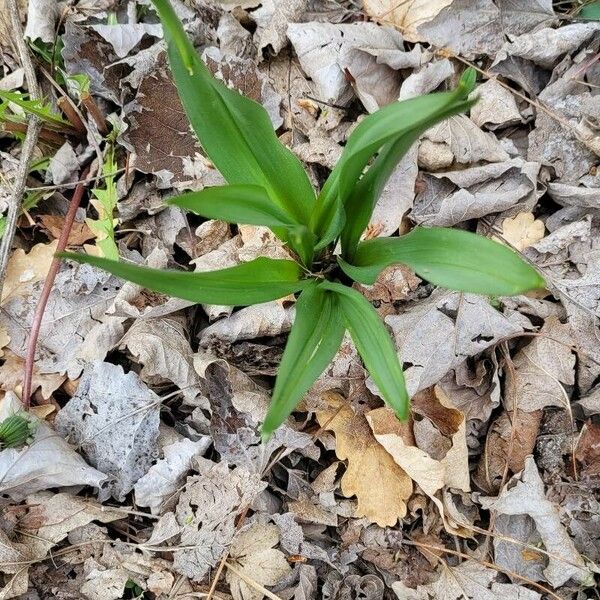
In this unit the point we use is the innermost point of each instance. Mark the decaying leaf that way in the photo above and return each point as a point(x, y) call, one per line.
point(206, 513)
point(524, 495)
point(469, 580)
point(47, 462)
point(542, 369)
point(162, 481)
point(368, 464)
point(428, 464)
point(252, 556)
point(45, 520)
point(79, 299)
point(437, 335)
point(114, 418)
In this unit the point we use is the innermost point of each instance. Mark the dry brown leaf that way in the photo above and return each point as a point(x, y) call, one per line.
point(431, 474)
point(522, 230)
point(24, 270)
point(588, 451)
point(11, 376)
point(379, 484)
point(4, 339)
point(79, 234)
point(407, 16)
point(542, 368)
point(523, 428)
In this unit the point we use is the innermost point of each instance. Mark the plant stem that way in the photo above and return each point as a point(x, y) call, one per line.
point(28, 148)
point(48, 284)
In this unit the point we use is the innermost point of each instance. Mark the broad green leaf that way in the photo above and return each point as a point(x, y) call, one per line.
point(235, 131)
point(451, 258)
point(590, 12)
point(251, 205)
point(374, 345)
point(361, 202)
point(260, 280)
point(313, 341)
point(241, 203)
point(385, 126)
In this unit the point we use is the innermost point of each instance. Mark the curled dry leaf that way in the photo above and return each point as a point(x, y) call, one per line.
point(407, 16)
point(162, 347)
point(164, 479)
point(4, 339)
point(524, 495)
point(431, 474)
point(368, 464)
point(47, 462)
point(511, 438)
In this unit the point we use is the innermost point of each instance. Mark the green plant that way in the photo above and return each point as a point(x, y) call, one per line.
point(105, 203)
point(268, 186)
point(15, 431)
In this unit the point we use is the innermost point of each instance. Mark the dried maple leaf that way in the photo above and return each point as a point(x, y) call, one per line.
point(379, 484)
point(522, 230)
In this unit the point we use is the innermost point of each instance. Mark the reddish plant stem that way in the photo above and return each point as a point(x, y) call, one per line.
point(48, 283)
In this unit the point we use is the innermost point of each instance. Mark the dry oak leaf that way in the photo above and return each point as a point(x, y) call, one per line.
point(451, 470)
point(407, 16)
point(24, 270)
point(379, 484)
point(522, 230)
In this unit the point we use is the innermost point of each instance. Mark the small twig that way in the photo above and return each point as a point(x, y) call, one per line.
point(48, 283)
point(28, 148)
point(90, 104)
point(45, 135)
point(66, 105)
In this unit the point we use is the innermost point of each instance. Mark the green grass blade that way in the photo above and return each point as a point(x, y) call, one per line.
point(235, 131)
point(260, 280)
point(451, 258)
point(385, 126)
point(374, 345)
point(315, 338)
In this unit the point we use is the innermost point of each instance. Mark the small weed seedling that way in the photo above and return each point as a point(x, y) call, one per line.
point(268, 186)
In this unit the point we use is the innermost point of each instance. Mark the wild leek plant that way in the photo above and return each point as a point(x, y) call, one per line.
point(268, 186)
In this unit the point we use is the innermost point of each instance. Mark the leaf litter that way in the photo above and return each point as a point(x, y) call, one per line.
point(145, 473)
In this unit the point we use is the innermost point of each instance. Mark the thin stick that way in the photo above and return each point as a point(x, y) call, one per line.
point(29, 144)
point(48, 283)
